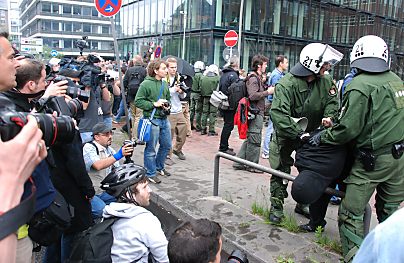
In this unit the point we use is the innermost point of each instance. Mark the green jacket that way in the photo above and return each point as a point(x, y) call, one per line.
point(372, 113)
point(295, 98)
point(196, 84)
point(148, 93)
point(209, 84)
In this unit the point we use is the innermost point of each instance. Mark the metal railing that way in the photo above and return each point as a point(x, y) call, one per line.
point(331, 191)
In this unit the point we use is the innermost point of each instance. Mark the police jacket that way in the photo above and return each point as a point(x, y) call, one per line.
point(295, 98)
point(196, 85)
point(209, 84)
point(372, 112)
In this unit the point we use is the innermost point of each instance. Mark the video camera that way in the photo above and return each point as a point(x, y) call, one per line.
point(74, 90)
point(82, 44)
point(128, 158)
point(54, 129)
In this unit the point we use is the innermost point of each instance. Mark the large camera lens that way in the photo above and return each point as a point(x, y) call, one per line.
point(75, 92)
point(55, 129)
point(75, 106)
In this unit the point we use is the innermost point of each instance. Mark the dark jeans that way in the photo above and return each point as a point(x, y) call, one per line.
point(228, 118)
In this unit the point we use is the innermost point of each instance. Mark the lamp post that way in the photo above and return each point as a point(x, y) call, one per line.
point(183, 12)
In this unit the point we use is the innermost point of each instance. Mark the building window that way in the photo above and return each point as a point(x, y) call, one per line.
point(94, 29)
point(67, 9)
point(46, 7)
point(67, 43)
point(67, 27)
point(94, 44)
point(94, 12)
point(55, 8)
point(77, 27)
point(87, 28)
point(86, 11)
point(55, 43)
point(106, 45)
point(76, 10)
point(46, 25)
point(55, 26)
point(105, 29)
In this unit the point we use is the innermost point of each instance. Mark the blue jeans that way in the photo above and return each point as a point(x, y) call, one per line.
point(59, 251)
point(108, 121)
point(160, 133)
point(99, 202)
point(121, 111)
point(86, 137)
point(268, 134)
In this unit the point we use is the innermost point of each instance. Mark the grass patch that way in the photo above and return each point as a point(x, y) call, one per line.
point(244, 225)
point(290, 223)
point(284, 259)
point(326, 242)
point(257, 209)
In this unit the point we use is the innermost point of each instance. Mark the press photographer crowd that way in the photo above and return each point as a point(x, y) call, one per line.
point(66, 191)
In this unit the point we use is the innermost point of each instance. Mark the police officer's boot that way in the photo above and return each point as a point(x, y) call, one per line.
point(204, 131)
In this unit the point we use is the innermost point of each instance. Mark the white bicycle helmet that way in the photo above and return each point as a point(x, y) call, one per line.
point(313, 57)
point(370, 53)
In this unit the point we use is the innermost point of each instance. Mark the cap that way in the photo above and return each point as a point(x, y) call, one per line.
point(300, 71)
point(101, 128)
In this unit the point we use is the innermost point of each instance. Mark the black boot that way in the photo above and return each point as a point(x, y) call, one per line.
point(204, 131)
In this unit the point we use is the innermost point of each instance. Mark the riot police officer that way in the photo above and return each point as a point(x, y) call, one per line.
point(372, 117)
point(304, 92)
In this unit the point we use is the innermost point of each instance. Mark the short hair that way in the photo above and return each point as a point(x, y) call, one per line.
point(279, 59)
point(5, 35)
point(195, 241)
point(258, 60)
point(154, 65)
point(171, 60)
point(234, 62)
point(137, 60)
point(29, 70)
point(133, 187)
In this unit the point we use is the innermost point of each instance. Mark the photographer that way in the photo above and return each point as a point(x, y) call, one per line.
point(27, 148)
point(146, 99)
point(177, 120)
point(100, 158)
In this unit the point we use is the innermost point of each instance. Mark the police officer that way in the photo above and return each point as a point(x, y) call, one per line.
point(196, 99)
point(304, 92)
point(372, 116)
point(209, 82)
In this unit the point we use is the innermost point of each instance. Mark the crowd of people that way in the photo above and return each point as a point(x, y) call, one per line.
point(358, 131)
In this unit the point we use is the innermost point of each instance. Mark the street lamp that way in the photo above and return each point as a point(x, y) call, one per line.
point(183, 12)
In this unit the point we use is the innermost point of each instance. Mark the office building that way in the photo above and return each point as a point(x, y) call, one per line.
point(269, 27)
point(3, 16)
point(61, 23)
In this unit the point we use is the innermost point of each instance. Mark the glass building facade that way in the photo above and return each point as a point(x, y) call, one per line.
point(269, 27)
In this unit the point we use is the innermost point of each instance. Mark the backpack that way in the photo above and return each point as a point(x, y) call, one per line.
point(237, 90)
point(135, 78)
point(94, 244)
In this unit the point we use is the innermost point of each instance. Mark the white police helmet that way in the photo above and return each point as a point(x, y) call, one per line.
point(313, 57)
point(199, 66)
point(370, 53)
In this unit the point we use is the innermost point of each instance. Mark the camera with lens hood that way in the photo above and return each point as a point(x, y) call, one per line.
point(74, 90)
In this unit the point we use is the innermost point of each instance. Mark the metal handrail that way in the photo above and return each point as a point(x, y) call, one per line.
point(328, 190)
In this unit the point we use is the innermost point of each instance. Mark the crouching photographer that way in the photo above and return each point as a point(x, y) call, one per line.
point(63, 164)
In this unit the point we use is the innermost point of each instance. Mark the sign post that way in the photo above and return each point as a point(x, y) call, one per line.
point(230, 40)
point(110, 8)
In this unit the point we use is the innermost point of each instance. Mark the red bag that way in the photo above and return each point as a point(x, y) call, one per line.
point(241, 118)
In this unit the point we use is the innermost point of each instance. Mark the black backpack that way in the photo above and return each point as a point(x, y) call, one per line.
point(135, 78)
point(237, 90)
point(94, 244)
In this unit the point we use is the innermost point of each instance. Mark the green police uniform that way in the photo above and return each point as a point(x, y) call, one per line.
point(372, 116)
point(196, 100)
point(295, 98)
point(209, 83)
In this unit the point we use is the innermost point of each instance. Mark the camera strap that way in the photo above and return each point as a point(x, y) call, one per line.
point(19, 215)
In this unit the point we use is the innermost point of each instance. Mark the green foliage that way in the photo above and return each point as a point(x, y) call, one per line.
point(326, 242)
point(257, 209)
point(284, 259)
point(290, 223)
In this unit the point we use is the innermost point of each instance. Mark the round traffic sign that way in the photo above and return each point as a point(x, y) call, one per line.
point(230, 38)
point(157, 52)
point(54, 53)
point(230, 52)
point(108, 7)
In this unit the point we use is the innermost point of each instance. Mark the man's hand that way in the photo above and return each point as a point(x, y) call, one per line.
point(303, 136)
point(159, 103)
point(315, 140)
point(127, 149)
point(327, 122)
point(271, 90)
point(56, 89)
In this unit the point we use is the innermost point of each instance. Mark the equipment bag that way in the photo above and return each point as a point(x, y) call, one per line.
point(237, 90)
point(46, 227)
point(94, 244)
point(219, 100)
point(134, 83)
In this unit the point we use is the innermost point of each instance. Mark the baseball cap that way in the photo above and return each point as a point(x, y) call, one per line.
point(101, 128)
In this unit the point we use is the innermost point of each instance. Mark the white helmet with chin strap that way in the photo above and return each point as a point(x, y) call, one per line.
point(313, 57)
point(199, 66)
point(370, 53)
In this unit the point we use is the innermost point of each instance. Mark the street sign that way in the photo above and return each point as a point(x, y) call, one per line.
point(108, 7)
point(54, 53)
point(32, 45)
point(230, 38)
point(157, 52)
point(229, 52)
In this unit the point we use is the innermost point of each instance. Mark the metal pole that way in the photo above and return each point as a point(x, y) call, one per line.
point(183, 37)
point(240, 28)
point(118, 61)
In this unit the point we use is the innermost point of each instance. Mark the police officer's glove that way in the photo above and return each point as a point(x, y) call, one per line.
point(303, 137)
point(315, 140)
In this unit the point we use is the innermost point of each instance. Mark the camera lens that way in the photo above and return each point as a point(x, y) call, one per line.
point(55, 129)
point(75, 106)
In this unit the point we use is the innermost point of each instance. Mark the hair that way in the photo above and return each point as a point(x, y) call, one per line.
point(279, 59)
point(137, 60)
point(5, 35)
point(258, 60)
point(234, 62)
point(154, 65)
point(171, 60)
point(134, 186)
point(195, 241)
point(29, 70)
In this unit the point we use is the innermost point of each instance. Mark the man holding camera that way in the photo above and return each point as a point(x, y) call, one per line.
point(177, 120)
point(99, 158)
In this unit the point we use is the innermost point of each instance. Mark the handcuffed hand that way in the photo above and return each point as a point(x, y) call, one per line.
point(303, 136)
point(315, 140)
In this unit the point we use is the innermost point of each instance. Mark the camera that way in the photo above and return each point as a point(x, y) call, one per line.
point(182, 84)
point(128, 158)
point(237, 256)
point(165, 108)
point(82, 44)
point(58, 104)
point(54, 129)
point(73, 90)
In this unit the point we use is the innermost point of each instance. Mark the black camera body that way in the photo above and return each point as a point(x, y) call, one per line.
point(73, 90)
point(181, 83)
point(58, 104)
point(237, 256)
point(54, 129)
point(166, 108)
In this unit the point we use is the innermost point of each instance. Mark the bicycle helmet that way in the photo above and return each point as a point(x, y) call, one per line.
point(313, 57)
point(117, 183)
point(370, 53)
